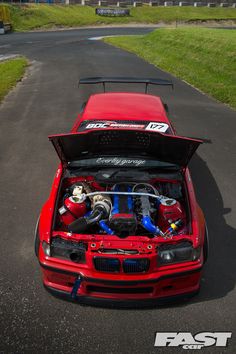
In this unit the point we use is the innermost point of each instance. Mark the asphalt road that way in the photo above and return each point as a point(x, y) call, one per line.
point(47, 102)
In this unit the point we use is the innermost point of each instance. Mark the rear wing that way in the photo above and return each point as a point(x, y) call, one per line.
point(125, 80)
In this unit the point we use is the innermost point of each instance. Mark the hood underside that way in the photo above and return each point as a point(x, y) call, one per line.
point(167, 148)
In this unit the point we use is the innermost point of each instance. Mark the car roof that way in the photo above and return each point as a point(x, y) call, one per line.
point(124, 106)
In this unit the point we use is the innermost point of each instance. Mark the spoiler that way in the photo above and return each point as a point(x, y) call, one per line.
point(124, 80)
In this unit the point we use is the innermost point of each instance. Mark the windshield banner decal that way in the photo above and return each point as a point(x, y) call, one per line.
point(124, 124)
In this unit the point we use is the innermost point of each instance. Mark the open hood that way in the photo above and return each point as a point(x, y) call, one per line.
point(87, 144)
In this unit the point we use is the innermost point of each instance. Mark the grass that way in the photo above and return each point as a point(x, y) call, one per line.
point(11, 71)
point(29, 17)
point(205, 58)
point(4, 14)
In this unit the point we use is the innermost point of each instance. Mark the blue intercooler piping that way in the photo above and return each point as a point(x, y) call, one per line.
point(105, 227)
point(149, 226)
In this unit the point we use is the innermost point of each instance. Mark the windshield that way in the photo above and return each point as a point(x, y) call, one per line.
point(114, 161)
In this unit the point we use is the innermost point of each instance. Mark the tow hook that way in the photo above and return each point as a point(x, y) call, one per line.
point(76, 287)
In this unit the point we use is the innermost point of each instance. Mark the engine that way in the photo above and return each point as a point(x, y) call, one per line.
point(124, 209)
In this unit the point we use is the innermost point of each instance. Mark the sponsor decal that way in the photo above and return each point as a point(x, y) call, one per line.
point(102, 125)
point(186, 340)
point(116, 161)
point(158, 127)
point(125, 125)
point(96, 124)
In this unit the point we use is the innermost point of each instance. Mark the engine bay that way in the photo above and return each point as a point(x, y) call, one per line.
point(154, 208)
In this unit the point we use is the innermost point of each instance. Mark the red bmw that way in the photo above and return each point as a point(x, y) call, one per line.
point(122, 223)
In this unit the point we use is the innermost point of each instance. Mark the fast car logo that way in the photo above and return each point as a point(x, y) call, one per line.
point(188, 341)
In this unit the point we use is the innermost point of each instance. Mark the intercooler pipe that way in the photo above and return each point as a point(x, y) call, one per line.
point(105, 227)
point(101, 210)
point(149, 226)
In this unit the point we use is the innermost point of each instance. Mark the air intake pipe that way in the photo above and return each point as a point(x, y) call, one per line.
point(101, 210)
point(146, 219)
point(149, 226)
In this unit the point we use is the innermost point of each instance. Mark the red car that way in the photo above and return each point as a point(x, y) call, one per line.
point(122, 223)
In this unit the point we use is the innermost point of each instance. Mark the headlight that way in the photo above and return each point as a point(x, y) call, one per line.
point(181, 252)
point(69, 250)
point(46, 248)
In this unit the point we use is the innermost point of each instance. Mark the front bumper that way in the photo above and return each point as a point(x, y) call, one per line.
point(124, 303)
point(100, 291)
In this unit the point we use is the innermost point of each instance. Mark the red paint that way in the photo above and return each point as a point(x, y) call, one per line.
point(169, 212)
point(73, 211)
point(162, 280)
point(124, 106)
